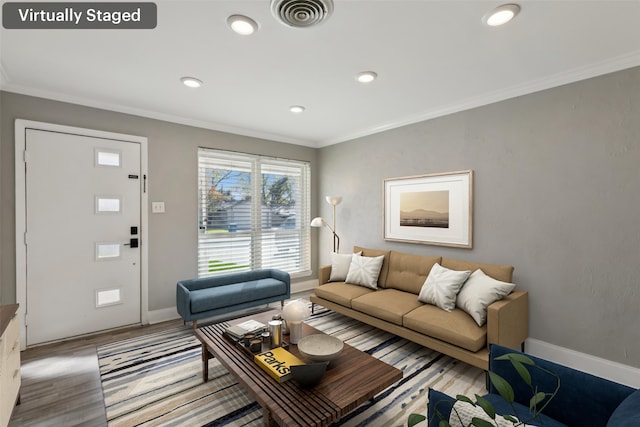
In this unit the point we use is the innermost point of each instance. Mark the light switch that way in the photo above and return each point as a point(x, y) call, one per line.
point(157, 207)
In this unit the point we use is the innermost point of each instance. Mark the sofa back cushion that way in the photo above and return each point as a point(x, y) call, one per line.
point(382, 277)
point(407, 272)
point(504, 273)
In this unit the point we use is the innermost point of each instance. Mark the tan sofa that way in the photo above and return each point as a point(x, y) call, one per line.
point(394, 307)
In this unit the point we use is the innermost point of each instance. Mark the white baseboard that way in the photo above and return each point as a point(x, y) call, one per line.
point(162, 315)
point(613, 371)
point(307, 285)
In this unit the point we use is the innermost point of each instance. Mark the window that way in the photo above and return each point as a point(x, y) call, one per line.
point(253, 213)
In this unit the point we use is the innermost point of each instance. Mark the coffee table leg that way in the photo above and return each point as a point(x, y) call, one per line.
point(267, 419)
point(205, 363)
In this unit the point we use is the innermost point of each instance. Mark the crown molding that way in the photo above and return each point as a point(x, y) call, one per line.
point(611, 65)
point(86, 102)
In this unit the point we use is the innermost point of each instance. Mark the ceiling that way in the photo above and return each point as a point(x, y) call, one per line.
point(432, 58)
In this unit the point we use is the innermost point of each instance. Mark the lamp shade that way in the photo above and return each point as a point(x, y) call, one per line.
point(295, 311)
point(333, 200)
point(318, 222)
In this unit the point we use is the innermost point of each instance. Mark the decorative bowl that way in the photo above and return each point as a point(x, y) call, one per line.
point(320, 347)
point(310, 374)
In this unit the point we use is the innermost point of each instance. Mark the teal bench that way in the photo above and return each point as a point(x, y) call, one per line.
point(212, 296)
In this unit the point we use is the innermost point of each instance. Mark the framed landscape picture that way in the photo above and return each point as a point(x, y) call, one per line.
point(435, 209)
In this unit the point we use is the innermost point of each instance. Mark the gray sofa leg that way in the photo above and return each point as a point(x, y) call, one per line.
point(281, 304)
point(313, 307)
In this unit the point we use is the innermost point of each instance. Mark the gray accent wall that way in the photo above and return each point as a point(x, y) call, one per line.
point(556, 194)
point(172, 150)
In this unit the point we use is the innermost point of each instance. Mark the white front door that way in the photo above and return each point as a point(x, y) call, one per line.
point(83, 227)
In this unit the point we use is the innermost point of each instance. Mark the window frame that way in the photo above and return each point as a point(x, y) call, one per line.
point(266, 244)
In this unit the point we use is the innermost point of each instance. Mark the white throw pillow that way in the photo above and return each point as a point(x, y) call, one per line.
point(364, 270)
point(442, 286)
point(479, 292)
point(340, 266)
point(463, 412)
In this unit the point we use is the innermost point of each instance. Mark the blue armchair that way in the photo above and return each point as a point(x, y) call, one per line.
point(582, 400)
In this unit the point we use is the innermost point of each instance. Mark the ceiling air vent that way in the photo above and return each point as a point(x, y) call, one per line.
point(301, 13)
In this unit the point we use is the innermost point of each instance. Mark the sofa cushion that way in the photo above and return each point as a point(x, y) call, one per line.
point(387, 304)
point(364, 270)
point(235, 293)
point(340, 266)
point(480, 291)
point(521, 412)
point(504, 273)
point(382, 278)
point(442, 287)
point(455, 327)
point(628, 413)
point(341, 293)
point(439, 407)
point(464, 413)
point(407, 272)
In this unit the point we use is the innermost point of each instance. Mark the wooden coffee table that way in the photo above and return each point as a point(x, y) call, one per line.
point(350, 380)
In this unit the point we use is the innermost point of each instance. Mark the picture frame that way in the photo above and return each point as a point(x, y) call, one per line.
point(434, 209)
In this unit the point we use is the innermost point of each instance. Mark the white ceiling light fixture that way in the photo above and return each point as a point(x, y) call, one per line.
point(501, 15)
point(296, 109)
point(191, 82)
point(242, 25)
point(366, 76)
point(301, 13)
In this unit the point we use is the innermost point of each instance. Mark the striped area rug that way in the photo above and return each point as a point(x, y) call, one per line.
point(156, 380)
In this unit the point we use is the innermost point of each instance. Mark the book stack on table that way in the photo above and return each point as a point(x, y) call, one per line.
point(249, 327)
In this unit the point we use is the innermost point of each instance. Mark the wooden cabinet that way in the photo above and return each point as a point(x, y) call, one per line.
point(9, 361)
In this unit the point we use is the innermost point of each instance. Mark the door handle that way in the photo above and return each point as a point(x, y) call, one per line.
point(133, 242)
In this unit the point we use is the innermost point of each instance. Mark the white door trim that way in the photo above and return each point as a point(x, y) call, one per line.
point(21, 127)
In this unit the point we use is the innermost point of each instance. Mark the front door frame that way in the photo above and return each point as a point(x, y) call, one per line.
point(21, 127)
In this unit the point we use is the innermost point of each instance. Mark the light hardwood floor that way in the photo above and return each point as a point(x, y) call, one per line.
point(61, 381)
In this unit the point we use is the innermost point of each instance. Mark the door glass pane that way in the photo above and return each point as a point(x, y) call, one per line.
point(106, 251)
point(107, 158)
point(106, 297)
point(107, 204)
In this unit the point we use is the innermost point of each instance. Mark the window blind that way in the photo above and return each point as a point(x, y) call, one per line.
point(253, 213)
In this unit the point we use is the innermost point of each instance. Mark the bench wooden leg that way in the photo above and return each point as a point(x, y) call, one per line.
point(195, 324)
point(205, 363)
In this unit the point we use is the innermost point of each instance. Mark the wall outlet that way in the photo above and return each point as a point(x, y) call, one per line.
point(157, 207)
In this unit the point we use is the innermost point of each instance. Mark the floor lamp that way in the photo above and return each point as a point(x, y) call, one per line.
point(320, 222)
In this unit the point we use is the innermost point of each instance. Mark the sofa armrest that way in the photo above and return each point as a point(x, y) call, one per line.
point(281, 275)
point(508, 320)
point(183, 302)
point(324, 273)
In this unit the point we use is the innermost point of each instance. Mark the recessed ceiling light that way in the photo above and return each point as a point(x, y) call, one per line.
point(191, 82)
point(296, 109)
point(501, 15)
point(366, 76)
point(242, 24)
